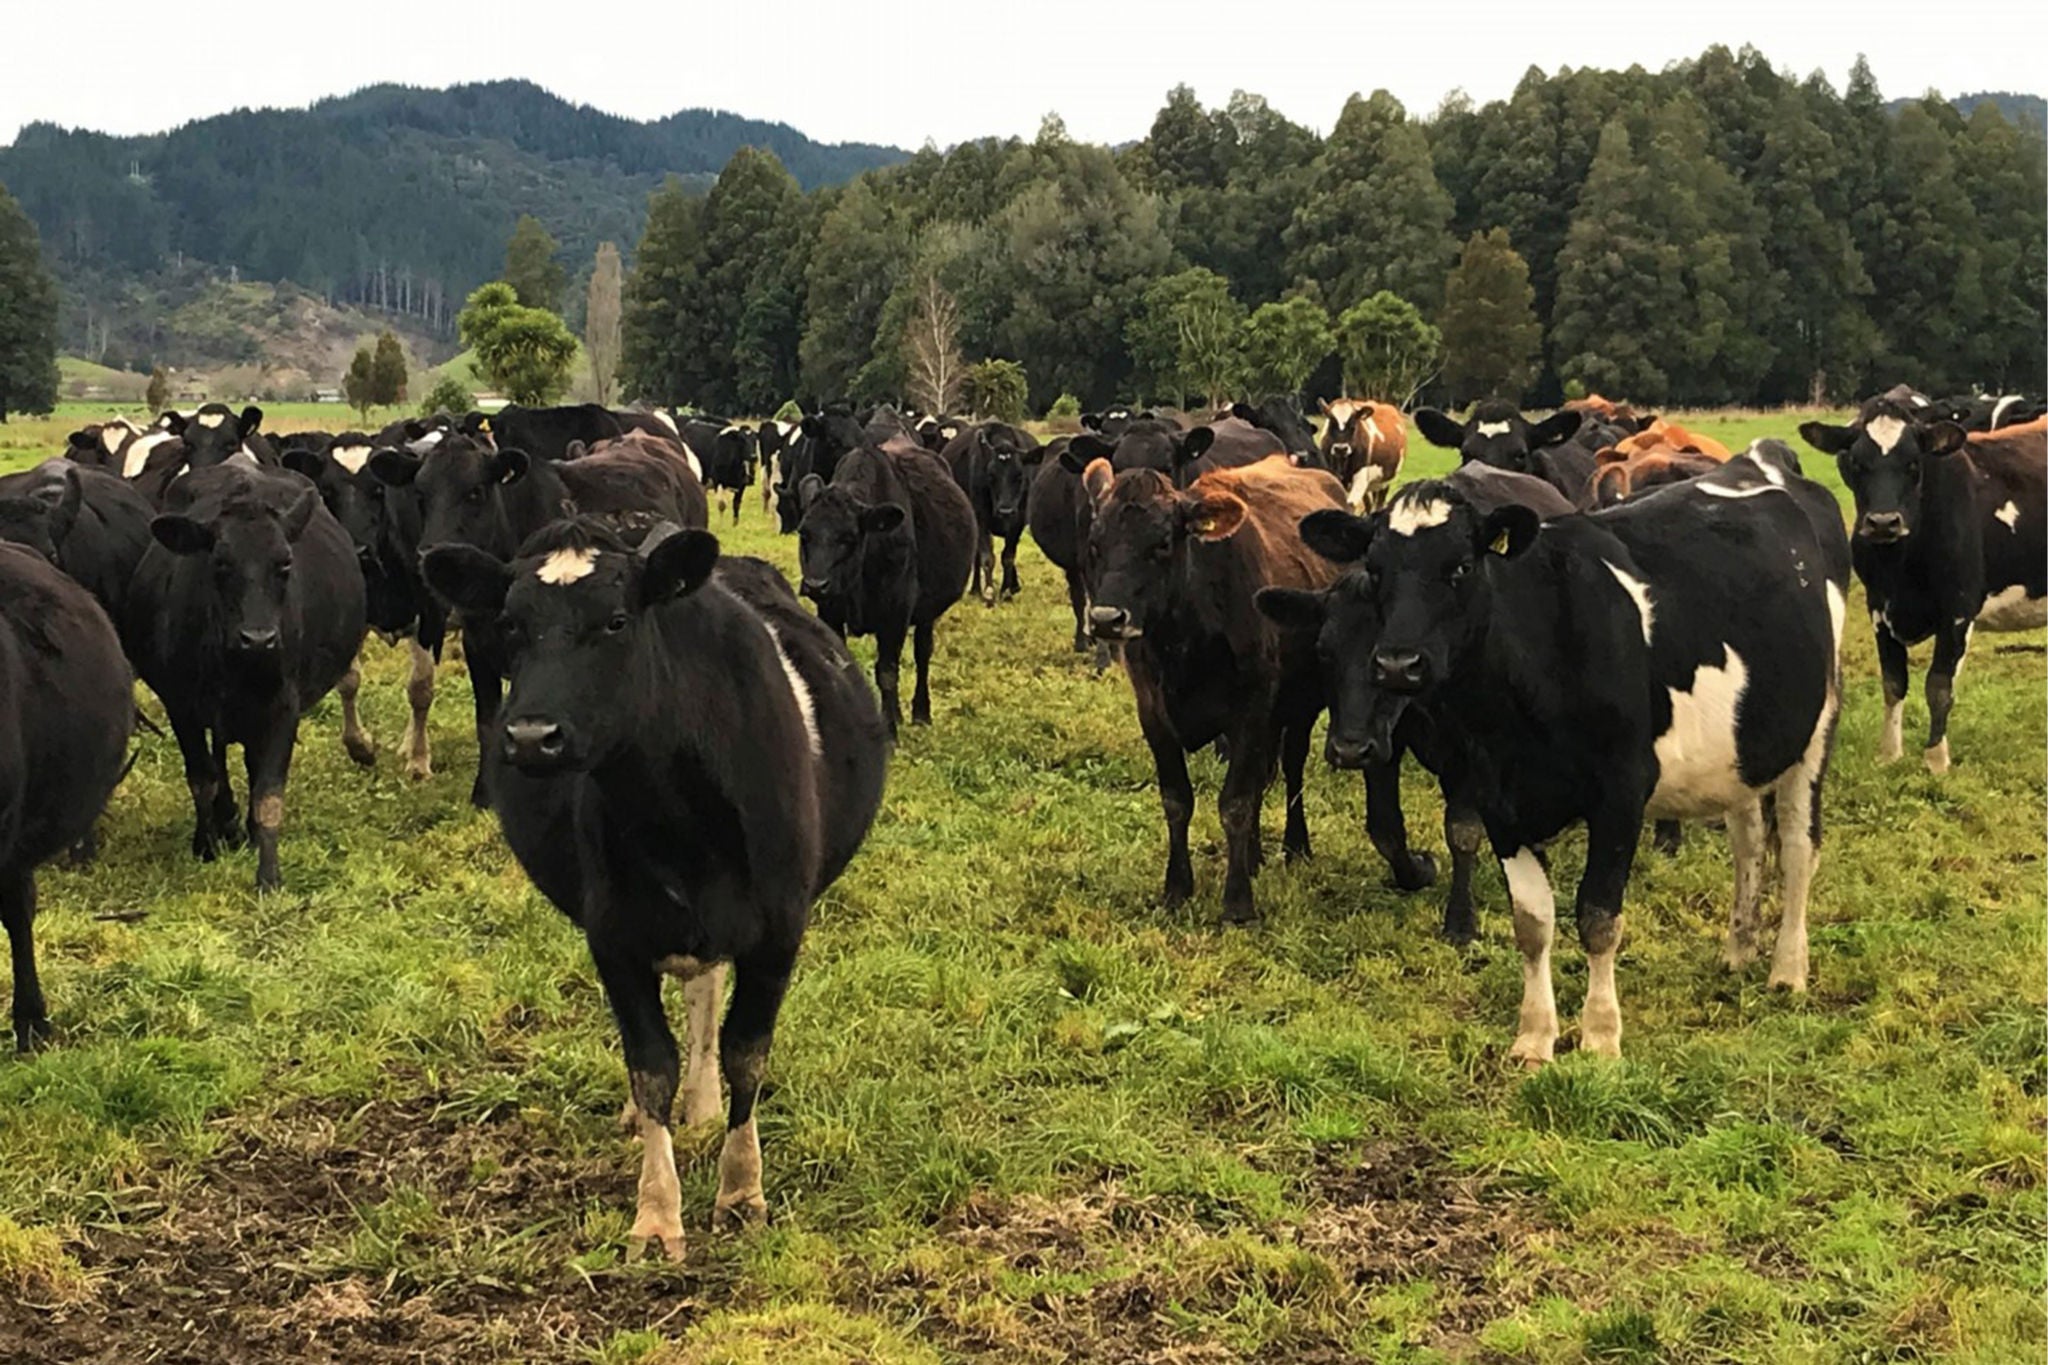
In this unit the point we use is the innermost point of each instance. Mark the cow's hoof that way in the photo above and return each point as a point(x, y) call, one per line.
point(1669, 837)
point(649, 1245)
point(31, 1035)
point(1790, 982)
point(1533, 1049)
point(419, 769)
point(361, 750)
point(1418, 875)
point(1937, 758)
point(1887, 757)
point(1737, 954)
point(738, 1212)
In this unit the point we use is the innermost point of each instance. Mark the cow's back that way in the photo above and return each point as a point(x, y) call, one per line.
point(943, 521)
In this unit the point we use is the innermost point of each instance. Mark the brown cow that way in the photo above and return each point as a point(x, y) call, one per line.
point(1662, 452)
point(1364, 445)
point(1172, 575)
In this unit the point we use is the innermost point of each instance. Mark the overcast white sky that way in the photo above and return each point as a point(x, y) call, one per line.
point(904, 72)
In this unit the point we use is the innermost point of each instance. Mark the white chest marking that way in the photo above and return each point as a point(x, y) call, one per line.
point(351, 458)
point(138, 452)
point(210, 420)
point(1885, 431)
point(1494, 428)
point(567, 566)
point(2011, 609)
point(1697, 772)
point(1416, 514)
point(1639, 593)
point(2010, 515)
point(799, 689)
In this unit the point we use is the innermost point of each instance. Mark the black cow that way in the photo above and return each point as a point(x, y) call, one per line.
point(1172, 575)
point(1110, 425)
point(1053, 513)
point(994, 463)
point(470, 494)
point(1497, 434)
point(545, 433)
point(1677, 655)
point(67, 706)
point(1988, 412)
point(1949, 536)
point(247, 611)
point(886, 548)
point(215, 433)
point(689, 759)
point(1281, 415)
point(89, 523)
point(383, 523)
point(728, 454)
point(1186, 455)
point(815, 449)
point(936, 433)
point(1346, 618)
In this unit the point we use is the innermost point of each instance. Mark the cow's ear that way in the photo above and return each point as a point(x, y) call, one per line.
point(814, 427)
point(61, 496)
point(575, 450)
point(1438, 428)
point(509, 466)
point(1942, 438)
point(1091, 421)
point(394, 467)
point(1336, 535)
point(250, 422)
point(676, 565)
point(304, 462)
point(1509, 531)
point(1191, 446)
point(468, 578)
point(173, 422)
point(1559, 426)
point(1243, 413)
point(1827, 438)
point(1097, 479)
point(807, 491)
point(1212, 514)
point(1292, 608)
point(181, 535)
point(1323, 404)
point(295, 517)
point(880, 518)
point(1084, 448)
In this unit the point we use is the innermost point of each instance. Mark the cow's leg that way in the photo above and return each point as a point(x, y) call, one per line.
point(1611, 838)
point(634, 990)
point(1535, 910)
point(354, 738)
point(226, 827)
point(703, 993)
point(1667, 837)
point(1244, 792)
point(267, 754)
point(18, 912)
point(1293, 760)
point(204, 777)
point(739, 495)
point(1891, 664)
point(1386, 825)
point(1176, 798)
point(1463, 834)
point(1077, 598)
point(487, 686)
point(921, 656)
point(888, 666)
point(419, 693)
point(985, 566)
point(1746, 844)
point(1011, 585)
point(1798, 806)
point(758, 985)
point(1951, 642)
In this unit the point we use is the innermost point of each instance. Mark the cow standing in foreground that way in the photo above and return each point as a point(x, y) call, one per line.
point(1951, 534)
point(247, 611)
point(886, 548)
point(1172, 575)
point(689, 758)
point(1678, 655)
point(67, 706)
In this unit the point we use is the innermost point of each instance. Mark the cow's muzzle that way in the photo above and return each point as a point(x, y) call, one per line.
point(1111, 623)
point(534, 744)
point(1401, 671)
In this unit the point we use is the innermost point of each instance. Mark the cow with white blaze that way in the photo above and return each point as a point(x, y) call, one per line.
point(1951, 534)
point(688, 759)
point(1676, 656)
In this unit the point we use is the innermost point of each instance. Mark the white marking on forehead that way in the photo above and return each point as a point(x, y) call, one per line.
point(800, 690)
point(1639, 593)
point(210, 420)
point(351, 458)
point(1885, 431)
point(138, 452)
point(1494, 428)
point(1417, 514)
point(665, 420)
point(2010, 515)
point(113, 433)
point(564, 567)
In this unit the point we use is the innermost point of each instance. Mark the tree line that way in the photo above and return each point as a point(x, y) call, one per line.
point(1715, 233)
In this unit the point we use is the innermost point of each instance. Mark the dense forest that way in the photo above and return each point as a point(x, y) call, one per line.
point(1718, 232)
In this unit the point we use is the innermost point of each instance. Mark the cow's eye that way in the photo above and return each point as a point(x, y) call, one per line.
point(475, 494)
point(1458, 571)
point(284, 568)
point(616, 624)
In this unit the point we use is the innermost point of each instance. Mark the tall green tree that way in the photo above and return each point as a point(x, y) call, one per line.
point(861, 254)
point(601, 321)
point(28, 316)
point(1182, 338)
point(2001, 169)
point(656, 360)
point(1927, 262)
point(525, 353)
point(359, 384)
point(1374, 217)
point(530, 265)
point(1389, 350)
point(387, 371)
point(1491, 337)
point(1282, 344)
point(740, 258)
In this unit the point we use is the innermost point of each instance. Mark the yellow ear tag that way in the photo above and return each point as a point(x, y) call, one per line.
point(1500, 543)
point(484, 426)
point(1203, 525)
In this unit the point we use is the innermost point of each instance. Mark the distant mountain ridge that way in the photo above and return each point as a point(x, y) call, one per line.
point(2016, 107)
point(393, 197)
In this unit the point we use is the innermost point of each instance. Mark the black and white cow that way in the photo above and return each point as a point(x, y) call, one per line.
point(689, 758)
point(1497, 434)
point(1950, 535)
point(67, 707)
point(1281, 415)
point(1988, 412)
point(247, 611)
point(776, 441)
point(1677, 655)
point(727, 453)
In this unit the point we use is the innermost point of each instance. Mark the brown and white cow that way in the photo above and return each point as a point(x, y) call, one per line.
point(1364, 445)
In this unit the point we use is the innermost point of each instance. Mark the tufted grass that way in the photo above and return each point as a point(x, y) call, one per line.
point(1019, 1112)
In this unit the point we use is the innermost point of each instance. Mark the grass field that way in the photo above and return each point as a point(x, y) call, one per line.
point(1019, 1112)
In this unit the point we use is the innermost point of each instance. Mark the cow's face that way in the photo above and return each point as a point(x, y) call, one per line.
point(575, 616)
point(457, 490)
point(1496, 434)
point(1346, 621)
point(41, 516)
point(213, 434)
point(1009, 482)
point(1140, 528)
point(832, 536)
point(1883, 457)
point(247, 551)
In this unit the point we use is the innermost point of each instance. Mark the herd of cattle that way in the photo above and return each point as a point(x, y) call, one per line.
point(1598, 618)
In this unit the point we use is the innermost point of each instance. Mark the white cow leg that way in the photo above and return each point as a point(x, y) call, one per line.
point(1746, 843)
point(1798, 857)
point(419, 693)
point(702, 996)
point(1535, 913)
